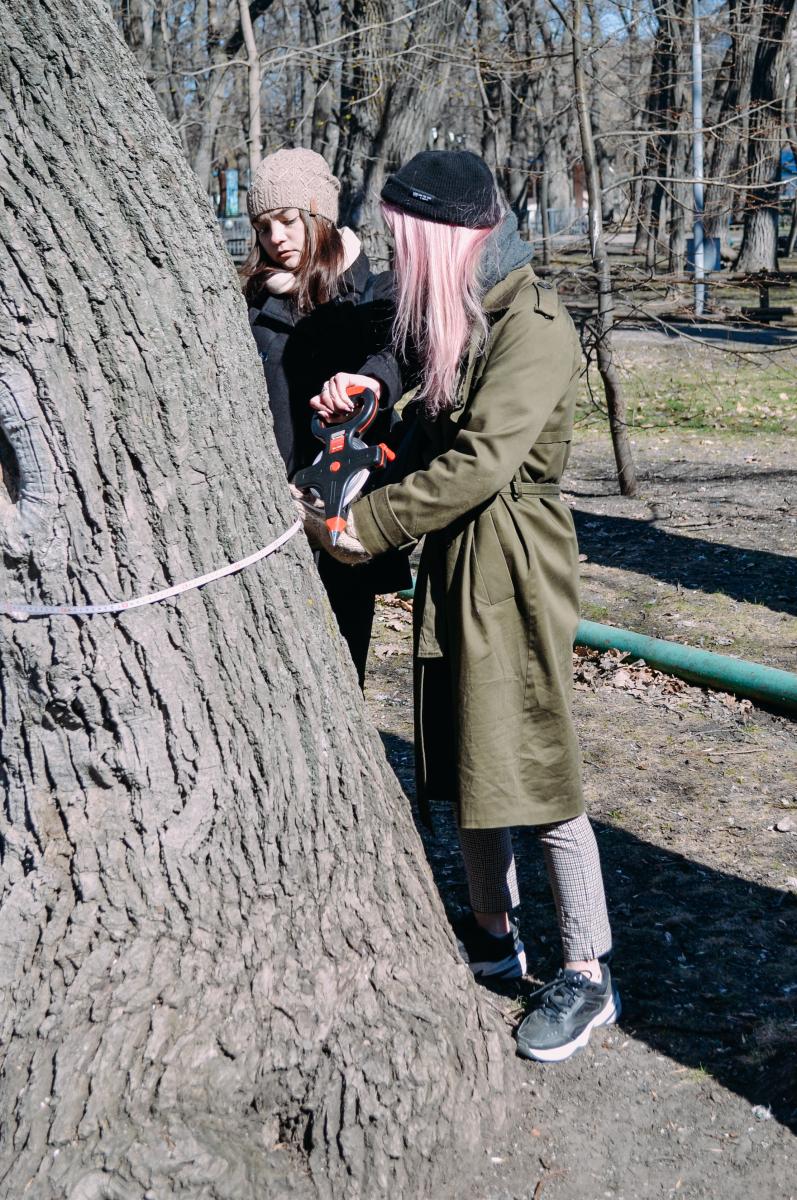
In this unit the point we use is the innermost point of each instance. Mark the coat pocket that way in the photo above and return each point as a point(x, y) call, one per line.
point(492, 578)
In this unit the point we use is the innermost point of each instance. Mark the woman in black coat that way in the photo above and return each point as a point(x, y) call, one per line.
point(315, 309)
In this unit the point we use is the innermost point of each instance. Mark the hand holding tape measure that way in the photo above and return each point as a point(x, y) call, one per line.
point(338, 474)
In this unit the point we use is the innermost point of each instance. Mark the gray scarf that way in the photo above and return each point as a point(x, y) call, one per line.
point(504, 251)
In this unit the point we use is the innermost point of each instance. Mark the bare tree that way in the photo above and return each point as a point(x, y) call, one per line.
point(615, 401)
point(390, 98)
point(255, 139)
point(368, 83)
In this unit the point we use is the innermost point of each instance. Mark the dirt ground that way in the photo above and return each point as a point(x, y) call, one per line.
point(694, 799)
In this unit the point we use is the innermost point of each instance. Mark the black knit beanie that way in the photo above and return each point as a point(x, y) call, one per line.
point(451, 186)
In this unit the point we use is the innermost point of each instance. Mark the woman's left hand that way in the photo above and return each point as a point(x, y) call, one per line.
point(333, 402)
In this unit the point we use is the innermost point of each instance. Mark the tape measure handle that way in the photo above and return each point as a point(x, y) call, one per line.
point(357, 423)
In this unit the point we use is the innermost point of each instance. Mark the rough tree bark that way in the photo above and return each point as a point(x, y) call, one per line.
point(759, 248)
point(391, 83)
point(660, 115)
point(726, 174)
point(791, 134)
point(680, 147)
point(492, 71)
point(225, 970)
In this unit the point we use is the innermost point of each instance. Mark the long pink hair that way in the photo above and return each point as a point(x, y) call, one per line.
point(438, 301)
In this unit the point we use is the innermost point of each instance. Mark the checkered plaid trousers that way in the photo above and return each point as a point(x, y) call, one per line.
point(574, 872)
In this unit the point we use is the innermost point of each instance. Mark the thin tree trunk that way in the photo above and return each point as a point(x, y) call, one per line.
point(546, 86)
point(635, 118)
point(792, 241)
point(521, 112)
point(255, 136)
point(226, 969)
point(492, 89)
point(211, 102)
point(325, 132)
point(165, 82)
point(544, 222)
point(134, 30)
point(615, 401)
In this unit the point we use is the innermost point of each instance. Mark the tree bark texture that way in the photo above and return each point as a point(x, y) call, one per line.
point(662, 111)
point(759, 248)
point(727, 172)
point(680, 144)
point(791, 134)
point(389, 96)
point(225, 970)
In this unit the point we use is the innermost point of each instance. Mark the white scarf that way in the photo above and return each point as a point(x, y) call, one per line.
point(285, 283)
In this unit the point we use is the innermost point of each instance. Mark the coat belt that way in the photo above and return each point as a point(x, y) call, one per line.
point(516, 489)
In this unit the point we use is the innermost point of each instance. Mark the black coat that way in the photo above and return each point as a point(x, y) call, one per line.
point(299, 352)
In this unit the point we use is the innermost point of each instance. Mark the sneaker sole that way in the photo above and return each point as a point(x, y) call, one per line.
point(512, 967)
point(607, 1016)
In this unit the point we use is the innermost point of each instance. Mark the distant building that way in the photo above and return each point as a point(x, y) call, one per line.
point(237, 234)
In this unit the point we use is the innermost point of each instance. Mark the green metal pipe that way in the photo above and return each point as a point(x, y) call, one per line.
point(737, 675)
point(702, 667)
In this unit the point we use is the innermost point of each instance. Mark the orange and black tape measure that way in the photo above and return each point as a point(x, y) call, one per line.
point(343, 457)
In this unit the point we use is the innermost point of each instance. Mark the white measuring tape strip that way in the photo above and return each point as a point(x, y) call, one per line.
point(22, 611)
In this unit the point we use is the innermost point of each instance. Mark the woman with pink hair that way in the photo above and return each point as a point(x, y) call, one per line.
point(497, 361)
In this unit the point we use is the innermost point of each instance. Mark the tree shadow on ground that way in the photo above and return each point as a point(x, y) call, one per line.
point(752, 576)
point(745, 334)
point(705, 961)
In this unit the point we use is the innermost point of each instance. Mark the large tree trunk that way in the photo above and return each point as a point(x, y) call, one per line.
point(791, 134)
point(680, 147)
point(392, 81)
point(225, 968)
point(759, 248)
point(725, 178)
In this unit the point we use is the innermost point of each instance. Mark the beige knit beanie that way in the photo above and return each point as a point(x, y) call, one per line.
point(294, 179)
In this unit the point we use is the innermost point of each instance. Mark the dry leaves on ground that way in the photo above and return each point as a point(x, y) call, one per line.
point(389, 649)
point(596, 669)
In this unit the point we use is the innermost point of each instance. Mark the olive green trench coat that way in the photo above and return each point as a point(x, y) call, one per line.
point(496, 600)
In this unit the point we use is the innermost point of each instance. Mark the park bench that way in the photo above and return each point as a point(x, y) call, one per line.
point(766, 312)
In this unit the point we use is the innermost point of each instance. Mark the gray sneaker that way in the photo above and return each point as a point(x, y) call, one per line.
point(567, 1010)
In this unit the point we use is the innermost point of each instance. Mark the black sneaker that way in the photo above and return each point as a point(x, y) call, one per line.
point(568, 1009)
point(488, 955)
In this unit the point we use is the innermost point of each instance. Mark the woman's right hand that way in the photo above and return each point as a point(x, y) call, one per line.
point(310, 510)
point(333, 402)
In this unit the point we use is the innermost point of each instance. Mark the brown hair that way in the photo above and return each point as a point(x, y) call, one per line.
point(318, 272)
